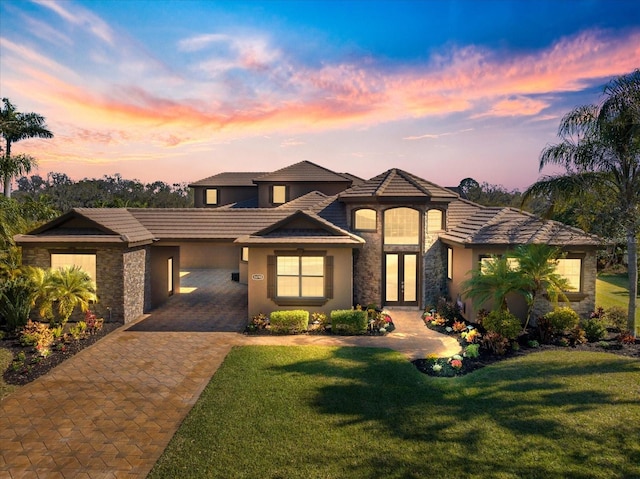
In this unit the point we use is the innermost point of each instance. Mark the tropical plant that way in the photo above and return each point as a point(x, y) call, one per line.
point(15, 302)
point(494, 281)
point(16, 126)
point(537, 268)
point(59, 292)
point(600, 150)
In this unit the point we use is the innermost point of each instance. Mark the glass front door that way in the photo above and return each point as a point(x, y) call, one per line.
point(401, 278)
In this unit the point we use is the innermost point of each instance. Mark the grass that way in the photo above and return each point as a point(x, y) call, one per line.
point(613, 290)
point(312, 412)
point(6, 357)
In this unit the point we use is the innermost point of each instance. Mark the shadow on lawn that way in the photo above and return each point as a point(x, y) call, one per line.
point(537, 411)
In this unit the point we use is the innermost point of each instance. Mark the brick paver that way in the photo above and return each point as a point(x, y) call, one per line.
point(110, 411)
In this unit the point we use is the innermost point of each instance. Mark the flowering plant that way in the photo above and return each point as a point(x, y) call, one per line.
point(436, 367)
point(470, 336)
point(456, 364)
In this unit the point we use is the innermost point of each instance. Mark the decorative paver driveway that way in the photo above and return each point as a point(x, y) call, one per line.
point(110, 411)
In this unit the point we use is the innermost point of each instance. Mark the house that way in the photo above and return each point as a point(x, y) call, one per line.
point(304, 237)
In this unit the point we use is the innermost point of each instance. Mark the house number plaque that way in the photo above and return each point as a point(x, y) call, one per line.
point(257, 277)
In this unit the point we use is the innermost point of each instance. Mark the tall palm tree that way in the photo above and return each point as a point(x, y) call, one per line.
point(600, 150)
point(493, 282)
point(537, 267)
point(16, 126)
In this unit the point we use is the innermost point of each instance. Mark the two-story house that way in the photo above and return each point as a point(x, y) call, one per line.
point(304, 237)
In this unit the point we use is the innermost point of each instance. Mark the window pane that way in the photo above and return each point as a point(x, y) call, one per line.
point(312, 265)
point(212, 196)
point(365, 219)
point(570, 270)
point(245, 254)
point(288, 286)
point(85, 261)
point(401, 226)
point(449, 263)
point(312, 286)
point(288, 265)
point(434, 221)
point(279, 194)
point(391, 280)
point(170, 275)
point(410, 286)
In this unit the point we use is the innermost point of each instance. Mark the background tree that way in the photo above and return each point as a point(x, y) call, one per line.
point(600, 151)
point(16, 126)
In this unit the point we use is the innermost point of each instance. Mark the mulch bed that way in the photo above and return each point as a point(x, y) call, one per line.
point(609, 345)
point(33, 367)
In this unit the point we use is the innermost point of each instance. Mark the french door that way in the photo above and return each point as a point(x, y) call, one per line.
point(401, 279)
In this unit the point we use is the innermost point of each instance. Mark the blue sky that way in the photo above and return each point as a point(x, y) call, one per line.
point(181, 90)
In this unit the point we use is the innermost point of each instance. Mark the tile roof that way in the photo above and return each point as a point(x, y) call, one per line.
point(396, 183)
point(206, 223)
point(106, 225)
point(229, 179)
point(305, 202)
point(303, 171)
point(509, 226)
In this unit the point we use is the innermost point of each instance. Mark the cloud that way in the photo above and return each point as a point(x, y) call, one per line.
point(291, 142)
point(81, 18)
point(515, 106)
point(432, 136)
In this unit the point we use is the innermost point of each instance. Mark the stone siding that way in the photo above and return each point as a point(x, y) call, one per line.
point(434, 264)
point(134, 267)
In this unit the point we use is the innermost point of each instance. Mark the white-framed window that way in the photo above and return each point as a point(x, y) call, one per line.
point(279, 193)
point(434, 221)
point(211, 196)
point(571, 270)
point(401, 226)
point(449, 263)
point(300, 276)
point(244, 255)
point(86, 261)
point(365, 219)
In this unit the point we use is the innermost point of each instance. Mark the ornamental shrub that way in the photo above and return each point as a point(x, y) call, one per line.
point(594, 329)
point(293, 321)
point(349, 321)
point(562, 319)
point(616, 318)
point(472, 351)
point(504, 323)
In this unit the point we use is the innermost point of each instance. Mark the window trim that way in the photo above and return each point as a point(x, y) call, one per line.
point(244, 257)
point(170, 282)
point(449, 263)
point(355, 222)
point(272, 278)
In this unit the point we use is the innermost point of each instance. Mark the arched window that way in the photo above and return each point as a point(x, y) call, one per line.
point(434, 221)
point(401, 226)
point(364, 219)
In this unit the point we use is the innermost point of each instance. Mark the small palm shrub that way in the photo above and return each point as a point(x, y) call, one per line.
point(562, 319)
point(15, 302)
point(503, 323)
point(594, 329)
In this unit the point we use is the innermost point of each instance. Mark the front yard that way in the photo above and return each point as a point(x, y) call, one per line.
point(314, 412)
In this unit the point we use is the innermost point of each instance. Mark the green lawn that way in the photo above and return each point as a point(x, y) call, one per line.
point(613, 290)
point(312, 412)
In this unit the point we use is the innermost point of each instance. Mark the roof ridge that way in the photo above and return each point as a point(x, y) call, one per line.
point(390, 174)
point(414, 181)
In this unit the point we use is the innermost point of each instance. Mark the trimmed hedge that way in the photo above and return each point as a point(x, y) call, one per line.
point(292, 321)
point(562, 319)
point(349, 321)
point(504, 323)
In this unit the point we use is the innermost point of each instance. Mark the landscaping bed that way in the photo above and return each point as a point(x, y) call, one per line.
point(525, 343)
point(28, 364)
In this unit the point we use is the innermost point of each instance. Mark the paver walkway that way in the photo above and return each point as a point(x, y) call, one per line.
point(110, 411)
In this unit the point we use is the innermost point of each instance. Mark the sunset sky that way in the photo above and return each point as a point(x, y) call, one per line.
point(181, 90)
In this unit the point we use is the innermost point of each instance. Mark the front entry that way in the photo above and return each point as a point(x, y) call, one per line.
point(401, 279)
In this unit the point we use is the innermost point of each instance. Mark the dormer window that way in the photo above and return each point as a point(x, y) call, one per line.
point(211, 196)
point(279, 194)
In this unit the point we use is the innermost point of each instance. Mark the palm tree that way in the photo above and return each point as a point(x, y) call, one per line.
point(494, 281)
point(600, 151)
point(70, 288)
point(537, 267)
point(16, 126)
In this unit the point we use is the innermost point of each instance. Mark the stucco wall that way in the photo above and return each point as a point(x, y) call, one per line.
point(257, 288)
point(209, 255)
